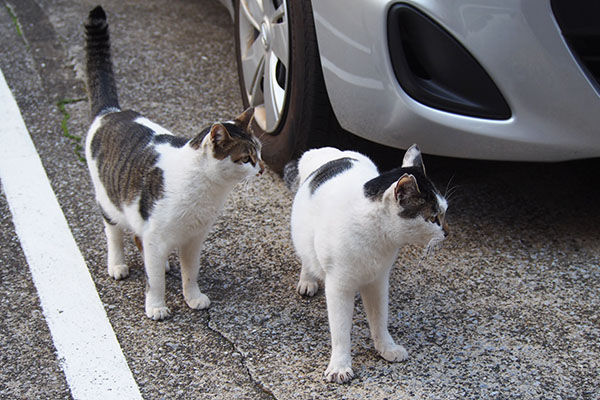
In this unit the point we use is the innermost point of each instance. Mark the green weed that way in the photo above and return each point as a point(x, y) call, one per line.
point(76, 139)
point(15, 20)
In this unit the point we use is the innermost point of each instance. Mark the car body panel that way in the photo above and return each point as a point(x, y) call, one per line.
point(518, 43)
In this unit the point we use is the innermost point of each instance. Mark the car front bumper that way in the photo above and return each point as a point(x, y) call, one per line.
point(554, 103)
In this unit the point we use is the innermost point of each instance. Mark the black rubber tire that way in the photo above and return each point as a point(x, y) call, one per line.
point(307, 120)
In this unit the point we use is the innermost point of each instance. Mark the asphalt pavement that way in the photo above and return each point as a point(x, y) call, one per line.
point(508, 308)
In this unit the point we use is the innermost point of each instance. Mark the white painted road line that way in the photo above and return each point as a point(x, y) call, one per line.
point(87, 347)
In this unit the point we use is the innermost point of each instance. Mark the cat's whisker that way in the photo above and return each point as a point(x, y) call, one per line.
point(262, 135)
point(244, 187)
point(451, 192)
point(450, 189)
point(432, 247)
point(246, 184)
point(448, 185)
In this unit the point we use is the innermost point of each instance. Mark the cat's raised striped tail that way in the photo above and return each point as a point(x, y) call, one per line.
point(102, 89)
point(291, 176)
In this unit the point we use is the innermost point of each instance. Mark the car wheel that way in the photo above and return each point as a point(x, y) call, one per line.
point(280, 76)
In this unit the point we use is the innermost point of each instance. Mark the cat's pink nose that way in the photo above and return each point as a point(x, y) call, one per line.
point(261, 165)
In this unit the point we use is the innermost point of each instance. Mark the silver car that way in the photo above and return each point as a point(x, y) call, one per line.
point(487, 79)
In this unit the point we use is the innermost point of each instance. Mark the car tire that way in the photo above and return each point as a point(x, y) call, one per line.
point(303, 116)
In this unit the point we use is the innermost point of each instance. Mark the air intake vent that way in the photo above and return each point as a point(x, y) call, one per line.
point(579, 22)
point(435, 69)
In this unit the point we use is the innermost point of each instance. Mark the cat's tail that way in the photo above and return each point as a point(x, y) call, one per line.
point(297, 171)
point(291, 176)
point(102, 89)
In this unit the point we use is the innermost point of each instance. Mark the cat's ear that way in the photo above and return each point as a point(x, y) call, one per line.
point(406, 188)
point(243, 120)
point(219, 134)
point(413, 158)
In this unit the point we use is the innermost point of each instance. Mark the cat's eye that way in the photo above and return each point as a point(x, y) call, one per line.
point(434, 219)
point(244, 159)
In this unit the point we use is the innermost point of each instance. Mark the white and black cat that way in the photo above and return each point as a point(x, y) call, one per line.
point(167, 190)
point(348, 224)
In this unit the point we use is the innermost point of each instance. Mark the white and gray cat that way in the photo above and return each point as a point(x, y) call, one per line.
point(167, 190)
point(348, 223)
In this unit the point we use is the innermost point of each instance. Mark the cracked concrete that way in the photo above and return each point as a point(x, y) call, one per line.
point(507, 309)
point(243, 359)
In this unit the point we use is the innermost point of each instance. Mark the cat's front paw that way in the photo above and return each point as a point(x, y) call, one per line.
point(307, 288)
point(198, 303)
point(394, 353)
point(158, 313)
point(118, 271)
point(339, 374)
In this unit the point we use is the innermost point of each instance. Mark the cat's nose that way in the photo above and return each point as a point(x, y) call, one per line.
point(445, 228)
point(261, 166)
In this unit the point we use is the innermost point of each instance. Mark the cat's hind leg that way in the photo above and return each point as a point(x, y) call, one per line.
point(117, 268)
point(308, 284)
point(375, 299)
point(189, 255)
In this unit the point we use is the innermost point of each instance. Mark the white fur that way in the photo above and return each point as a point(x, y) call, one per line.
point(196, 186)
point(351, 242)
